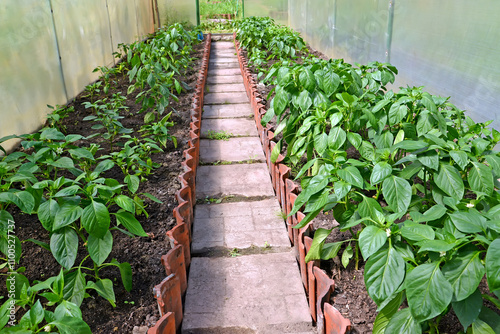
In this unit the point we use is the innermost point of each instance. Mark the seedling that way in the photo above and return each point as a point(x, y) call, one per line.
point(281, 214)
point(234, 252)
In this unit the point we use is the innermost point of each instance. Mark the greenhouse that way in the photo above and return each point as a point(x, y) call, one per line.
point(249, 166)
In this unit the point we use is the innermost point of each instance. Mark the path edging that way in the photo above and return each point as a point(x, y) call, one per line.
point(317, 284)
point(170, 292)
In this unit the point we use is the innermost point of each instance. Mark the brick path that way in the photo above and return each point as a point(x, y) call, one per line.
point(243, 276)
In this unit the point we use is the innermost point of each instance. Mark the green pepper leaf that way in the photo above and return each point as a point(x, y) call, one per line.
point(99, 249)
point(307, 79)
point(64, 246)
point(464, 272)
point(480, 178)
point(397, 192)
point(132, 182)
point(317, 244)
point(428, 291)
point(104, 288)
point(67, 309)
point(95, 219)
point(384, 273)
point(417, 232)
point(336, 138)
point(66, 215)
point(351, 175)
point(130, 222)
point(450, 181)
point(468, 310)
point(47, 213)
point(304, 100)
point(386, 314)
point(404, 323)
point(460, 158)
point(74, 287)
point(493, 265)
point(71, 325)
point(380, 172)
point(371, 239)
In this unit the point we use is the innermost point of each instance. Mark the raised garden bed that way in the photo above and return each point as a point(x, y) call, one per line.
point(407, 175)
point(141, 114)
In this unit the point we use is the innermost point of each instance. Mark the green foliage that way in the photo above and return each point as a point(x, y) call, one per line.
point(218, 135)
point(154, 63)
point(422, 190)
point(62, 182)
point(54, 119)
point(264, 40)
point(212, 9)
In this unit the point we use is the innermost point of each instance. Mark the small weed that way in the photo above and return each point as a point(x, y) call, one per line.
point(209, 200)
point(131, 302)
point(267, 245)
point(234, 252)
point(281, 214)
point(252, 159)
point(218, 135)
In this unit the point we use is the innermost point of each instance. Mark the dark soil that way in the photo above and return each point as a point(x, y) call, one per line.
point(138, 307)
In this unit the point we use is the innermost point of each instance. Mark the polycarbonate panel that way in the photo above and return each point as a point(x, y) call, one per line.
point(298, 14)
point(122, 17)
point(452, 48)
point(177, 11)
point(360, 30)
point(30, 75)
point(83, 33)
point(145, 22)
point(277, 9)
point(320, 27)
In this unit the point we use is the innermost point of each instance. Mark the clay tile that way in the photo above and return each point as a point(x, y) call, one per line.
point(174, 263)
point(311, 279)
point(183, 213)
point(183, 195)
point(324, 287)
point(179, 235)
point(166, 325)
point(168, 296)
point(335, 323)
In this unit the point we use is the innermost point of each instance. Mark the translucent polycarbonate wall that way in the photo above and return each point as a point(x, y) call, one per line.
point(277, 9)
point(297, 13)
point(177, 11)
point(122, 16)
point(450, 47)
point(145, 12)
point(84, 38)
point(49, 48)
point(30, 72)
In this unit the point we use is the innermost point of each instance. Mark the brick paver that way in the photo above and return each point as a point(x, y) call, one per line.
point(227, 111)
point(240, 180)
point(262, 292)
point(234, 149)
point(226, 98)
point(238, 225)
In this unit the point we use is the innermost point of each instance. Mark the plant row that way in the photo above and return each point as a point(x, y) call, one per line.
point(411, 177)
point(62, 181)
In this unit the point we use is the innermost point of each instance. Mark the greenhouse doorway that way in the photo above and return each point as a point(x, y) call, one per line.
point(215, 15)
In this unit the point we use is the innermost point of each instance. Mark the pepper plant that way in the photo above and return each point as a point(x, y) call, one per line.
point(408, 174)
